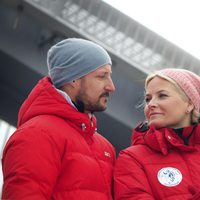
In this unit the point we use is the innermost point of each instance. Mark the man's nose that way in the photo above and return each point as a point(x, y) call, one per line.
point(110, 85)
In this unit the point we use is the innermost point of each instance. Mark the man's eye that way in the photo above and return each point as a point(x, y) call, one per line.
point(102, 76)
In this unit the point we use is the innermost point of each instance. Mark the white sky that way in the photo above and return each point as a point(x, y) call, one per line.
point(5, 131)
point(178, 21)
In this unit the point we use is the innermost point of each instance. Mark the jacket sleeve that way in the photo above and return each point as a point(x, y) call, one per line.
point(130, 182)
point(31, 163)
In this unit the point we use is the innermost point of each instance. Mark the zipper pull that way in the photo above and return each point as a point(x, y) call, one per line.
point(83, 126)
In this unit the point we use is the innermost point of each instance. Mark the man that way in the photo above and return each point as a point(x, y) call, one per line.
point(56, 153)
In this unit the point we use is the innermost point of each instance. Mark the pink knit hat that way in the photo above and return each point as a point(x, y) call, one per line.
point(188, 82)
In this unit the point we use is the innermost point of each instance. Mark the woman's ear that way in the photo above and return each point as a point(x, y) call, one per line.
point(190, 107)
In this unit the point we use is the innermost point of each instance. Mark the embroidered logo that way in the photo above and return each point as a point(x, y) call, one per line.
point(107, 154)
point(169, 176)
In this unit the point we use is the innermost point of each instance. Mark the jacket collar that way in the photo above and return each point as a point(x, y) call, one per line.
point(45, 100)
point(164, 139)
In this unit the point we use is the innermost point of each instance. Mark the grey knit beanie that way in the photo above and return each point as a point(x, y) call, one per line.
point(73, 58)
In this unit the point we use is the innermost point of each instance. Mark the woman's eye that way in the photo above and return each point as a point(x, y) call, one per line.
point(162, 95)
point(147, 99)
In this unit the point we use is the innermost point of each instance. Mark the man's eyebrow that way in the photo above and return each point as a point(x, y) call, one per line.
point(104, 72)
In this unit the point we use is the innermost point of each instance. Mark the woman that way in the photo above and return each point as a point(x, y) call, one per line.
point(164, 159)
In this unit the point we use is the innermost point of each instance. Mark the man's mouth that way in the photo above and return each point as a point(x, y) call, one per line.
point(106, 94)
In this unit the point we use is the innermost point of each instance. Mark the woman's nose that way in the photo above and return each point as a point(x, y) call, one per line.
point(152, 103)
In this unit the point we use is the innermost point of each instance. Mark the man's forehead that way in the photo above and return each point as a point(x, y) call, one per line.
point(105, 68)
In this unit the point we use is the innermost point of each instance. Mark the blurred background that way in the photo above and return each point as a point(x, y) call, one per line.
point(141, 37)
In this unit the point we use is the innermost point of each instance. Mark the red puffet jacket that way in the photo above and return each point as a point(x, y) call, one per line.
point(160, 165)
point(55, 153)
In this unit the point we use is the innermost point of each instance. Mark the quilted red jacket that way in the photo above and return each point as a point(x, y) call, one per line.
point(160, 165)
point(55, 153)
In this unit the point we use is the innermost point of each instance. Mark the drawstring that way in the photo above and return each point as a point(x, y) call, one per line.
point(91, 121)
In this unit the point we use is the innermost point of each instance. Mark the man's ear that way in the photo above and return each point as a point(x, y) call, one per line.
point(68, 86)
point(75, 83)
point(72, 83)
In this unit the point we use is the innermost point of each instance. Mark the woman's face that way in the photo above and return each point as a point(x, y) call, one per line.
point(165, 106)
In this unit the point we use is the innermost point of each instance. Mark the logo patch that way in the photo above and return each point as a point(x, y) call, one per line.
point(169, 176)
point(107, 154)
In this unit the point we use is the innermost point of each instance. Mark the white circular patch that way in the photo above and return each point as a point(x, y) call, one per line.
point(169, 176)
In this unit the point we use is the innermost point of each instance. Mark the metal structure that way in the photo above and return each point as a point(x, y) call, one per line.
point(30, 27)
point(118, 33)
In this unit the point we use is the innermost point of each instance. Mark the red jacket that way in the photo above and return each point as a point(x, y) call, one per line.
point(159, 166)
point(55, 153)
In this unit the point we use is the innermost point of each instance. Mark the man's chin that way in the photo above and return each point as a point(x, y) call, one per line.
point(104, 105)
point(101, 108)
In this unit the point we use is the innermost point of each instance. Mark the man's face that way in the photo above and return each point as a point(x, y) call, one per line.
point(94, 89)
